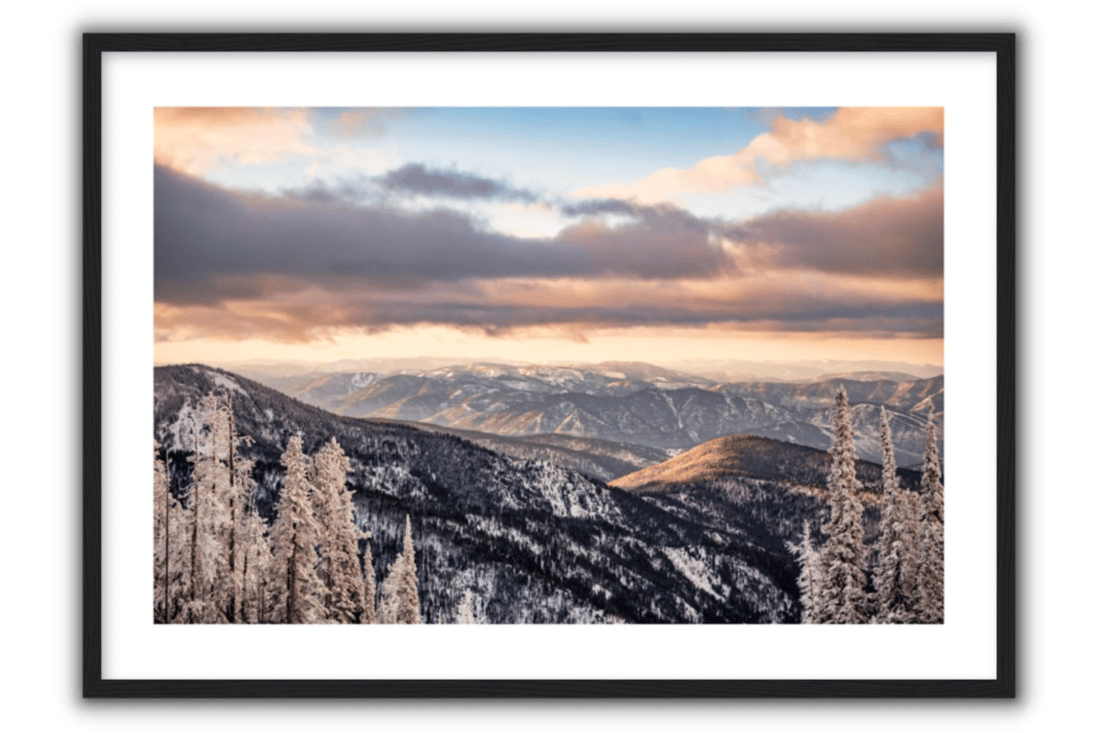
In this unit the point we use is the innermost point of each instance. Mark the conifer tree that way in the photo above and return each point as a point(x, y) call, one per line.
point(895, 576)
point(210, 516)
point(252, 554)
point(408, 596)
point(930, 577)
point(843, 557)
point(256, 567)
point(221, 483)
point(339, 534)
point(237, 484)
point(809, 578)
point(295, 535)
point(400, 597)
point(178, 565)
point(370, 611)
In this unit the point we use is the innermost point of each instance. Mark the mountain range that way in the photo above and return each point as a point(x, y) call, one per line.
point(698, 536)
point(634, 405)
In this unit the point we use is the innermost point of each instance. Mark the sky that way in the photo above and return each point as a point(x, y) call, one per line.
point(548, 234)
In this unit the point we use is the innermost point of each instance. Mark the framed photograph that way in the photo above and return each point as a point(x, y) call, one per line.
point(544, 365)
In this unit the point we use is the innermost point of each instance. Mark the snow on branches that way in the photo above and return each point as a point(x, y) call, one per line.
point(843, 558)
point(907, 574)
point(895, 576)
point(216, 560)
point(930, 576)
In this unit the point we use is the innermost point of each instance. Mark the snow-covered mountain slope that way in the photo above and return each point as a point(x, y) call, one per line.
point(628, 403)
point(534, 542)
point(600, 459)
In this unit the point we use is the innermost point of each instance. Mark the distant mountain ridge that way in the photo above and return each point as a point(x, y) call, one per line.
point(717, 370)
point(628, 403)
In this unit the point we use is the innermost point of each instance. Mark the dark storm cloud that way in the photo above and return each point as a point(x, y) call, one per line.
point(212, 244)
point(901, 237)
point(416, 178)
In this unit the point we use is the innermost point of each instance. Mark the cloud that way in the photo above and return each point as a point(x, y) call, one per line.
point(207, 238)
point(417, 179)
point(513, 308)
point(887, 236)
point(363, 121)
point(197, 140)
point(296, 268)
point(853, 134)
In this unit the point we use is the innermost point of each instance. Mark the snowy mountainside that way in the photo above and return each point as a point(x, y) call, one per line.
point(600, 459)
point(534, 542)
point(628, 403)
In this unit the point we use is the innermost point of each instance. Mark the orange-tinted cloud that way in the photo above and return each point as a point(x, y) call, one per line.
point(853, 133)
point(364, 122)
point(803, 303)
point(197, 140)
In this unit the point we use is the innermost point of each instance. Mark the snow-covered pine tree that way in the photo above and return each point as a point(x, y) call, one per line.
point(843, 557)
point(930, 577)
point(298, 590)
point(228, 486)
point(210, 516)
point(339, 534)
point(408, 596)
point(179, 562)
point(370, 612)
point(250, 546)
point(228, 492)
point(400, 598)
point(809, 576)
point(895, 576)
point(256, 566)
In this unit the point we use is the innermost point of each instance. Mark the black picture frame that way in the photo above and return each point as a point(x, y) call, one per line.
point(1011, 701)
